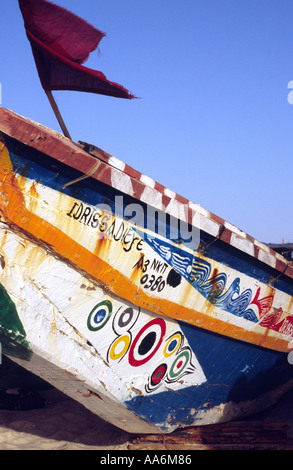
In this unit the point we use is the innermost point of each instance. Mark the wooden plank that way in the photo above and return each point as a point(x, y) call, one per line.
point(252, 446)
point(237, 435)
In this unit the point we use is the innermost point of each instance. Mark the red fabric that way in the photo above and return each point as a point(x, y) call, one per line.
point(61, 42)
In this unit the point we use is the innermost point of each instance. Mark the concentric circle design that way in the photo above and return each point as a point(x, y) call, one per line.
point(172, 344)
point(119, 347)
point(99, 315)
point(147, 342)
point(124, 320)
point(158, 375)
point(179, 364)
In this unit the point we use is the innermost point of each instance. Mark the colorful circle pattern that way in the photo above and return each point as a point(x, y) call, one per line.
point(180, 363)
point(176, 357)
point(119, 348)
point(147, 342)
point(177, 363)
point(124, 320)
point(158, 375)
point(99, 315)
point(173, 344)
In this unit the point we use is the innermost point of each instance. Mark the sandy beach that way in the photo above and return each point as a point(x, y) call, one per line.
point(60, 424)
point(63, 424)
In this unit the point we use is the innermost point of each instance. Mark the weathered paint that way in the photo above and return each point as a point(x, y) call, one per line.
point(12, 334)
point(9, 319)
point(146, 323)
point(114, 347)
point(58, 220)
point(142, 372)
point(116, 174)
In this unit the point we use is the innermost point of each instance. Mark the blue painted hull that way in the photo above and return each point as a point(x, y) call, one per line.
point(242, 379)
point(193, 336)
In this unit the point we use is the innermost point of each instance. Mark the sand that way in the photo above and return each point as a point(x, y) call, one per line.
point(60, 424)
point(63, 424)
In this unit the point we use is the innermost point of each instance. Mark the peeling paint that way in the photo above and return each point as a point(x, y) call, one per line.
point(112, 266)
point(118, 309)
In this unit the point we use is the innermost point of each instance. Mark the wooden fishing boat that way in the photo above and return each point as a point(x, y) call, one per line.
point(151, 325)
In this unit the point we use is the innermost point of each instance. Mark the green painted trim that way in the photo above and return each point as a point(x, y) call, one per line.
point(12, 332)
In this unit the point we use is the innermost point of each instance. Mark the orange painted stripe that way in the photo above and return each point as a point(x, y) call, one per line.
point(13, 207)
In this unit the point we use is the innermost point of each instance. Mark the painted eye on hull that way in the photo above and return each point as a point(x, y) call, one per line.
point(180, 363)
point(99, 315)
point(158, 375)
point(124, 321)
point(119, 347)
point(147, 342)
point(173, 344)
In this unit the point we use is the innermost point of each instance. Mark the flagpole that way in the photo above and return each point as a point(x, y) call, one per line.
point(57, 113)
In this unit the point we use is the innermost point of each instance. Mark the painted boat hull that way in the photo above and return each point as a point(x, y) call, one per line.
point(150, 332)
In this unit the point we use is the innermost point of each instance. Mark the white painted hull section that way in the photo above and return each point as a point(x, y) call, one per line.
point(54, 303)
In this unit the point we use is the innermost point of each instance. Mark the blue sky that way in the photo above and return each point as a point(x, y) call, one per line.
point(214, 122)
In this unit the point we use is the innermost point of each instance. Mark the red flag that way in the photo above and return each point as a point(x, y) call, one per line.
point(61, 42)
